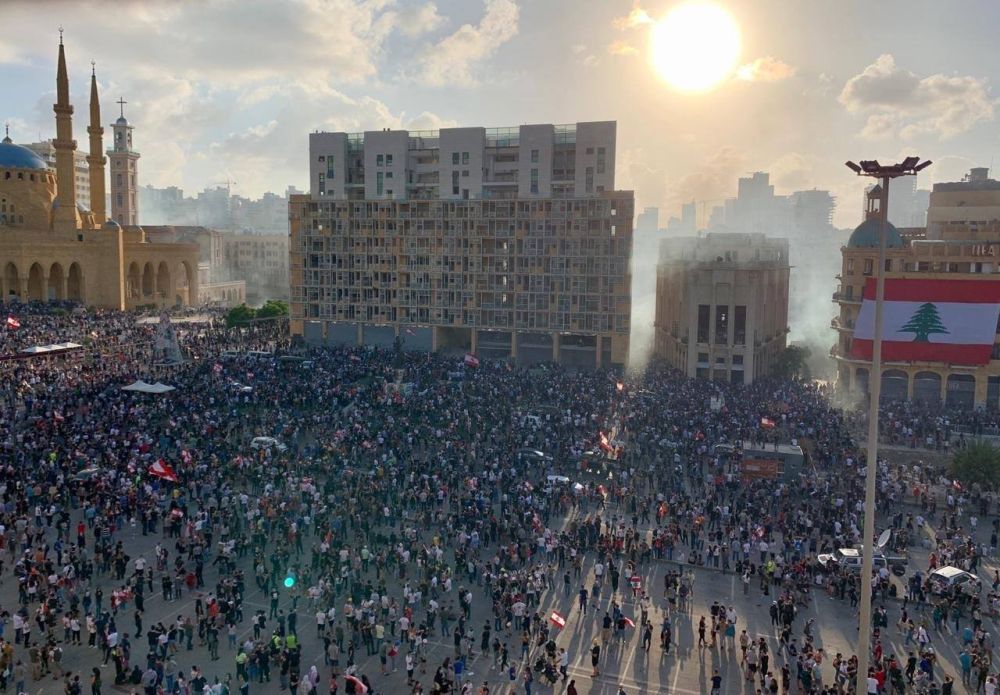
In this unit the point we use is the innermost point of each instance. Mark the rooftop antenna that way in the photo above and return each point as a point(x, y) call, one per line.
point(60, 35)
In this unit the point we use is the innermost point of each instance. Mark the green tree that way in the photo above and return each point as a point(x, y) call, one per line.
point(239, 315)
point(273, 308)
point(791, 363)
point(977, 462)
point(925, 321)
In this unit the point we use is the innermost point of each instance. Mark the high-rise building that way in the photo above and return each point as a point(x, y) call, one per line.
point(722, 305)
point(504, 242)
point(942, 292)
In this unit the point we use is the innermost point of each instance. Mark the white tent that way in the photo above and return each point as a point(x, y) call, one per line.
point(142, 387)
point(36, 350)
point(54, 347)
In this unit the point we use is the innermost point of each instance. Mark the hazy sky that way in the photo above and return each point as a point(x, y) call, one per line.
point(232, 88)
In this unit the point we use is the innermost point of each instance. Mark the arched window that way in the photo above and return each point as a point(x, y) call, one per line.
point(31, 176)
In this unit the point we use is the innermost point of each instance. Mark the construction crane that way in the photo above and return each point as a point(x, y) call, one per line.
point(228, 183)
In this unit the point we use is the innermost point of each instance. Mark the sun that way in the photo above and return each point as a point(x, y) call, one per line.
point(695, 46)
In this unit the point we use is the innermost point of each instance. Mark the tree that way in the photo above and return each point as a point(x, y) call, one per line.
point(977, 462)
point(240, 315)
point(925, 321)
point(273, 308)
point(791, 363)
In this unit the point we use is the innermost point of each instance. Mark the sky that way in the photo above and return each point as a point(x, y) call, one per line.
point(229, 89)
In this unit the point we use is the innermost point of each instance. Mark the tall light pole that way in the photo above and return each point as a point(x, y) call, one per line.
point(885, 173)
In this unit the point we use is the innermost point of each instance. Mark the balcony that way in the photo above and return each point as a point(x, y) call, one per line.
point(839, 325)
point(843, 298)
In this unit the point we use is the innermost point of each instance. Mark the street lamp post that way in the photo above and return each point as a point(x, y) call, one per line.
point(885, 173)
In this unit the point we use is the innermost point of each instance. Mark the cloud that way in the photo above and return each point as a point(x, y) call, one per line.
point(636, 18)
point(622, 48)
point(713, 181)
point(766, 69)
point(899, 100)
point(453, 60)
point(416, 21)
point(430, 121)
point(791, 171)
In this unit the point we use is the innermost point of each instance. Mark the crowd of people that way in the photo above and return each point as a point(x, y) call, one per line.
point(392, 500)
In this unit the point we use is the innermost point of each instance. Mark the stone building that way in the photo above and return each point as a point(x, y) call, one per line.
point(960, 245)
point(722, 305)
point(54, 248)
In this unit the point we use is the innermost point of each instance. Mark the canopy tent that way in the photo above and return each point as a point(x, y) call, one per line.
point(142, 387)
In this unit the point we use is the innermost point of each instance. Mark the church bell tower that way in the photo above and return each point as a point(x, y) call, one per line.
point(124, 172)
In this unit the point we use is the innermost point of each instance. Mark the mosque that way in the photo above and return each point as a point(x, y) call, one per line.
point(52, 248)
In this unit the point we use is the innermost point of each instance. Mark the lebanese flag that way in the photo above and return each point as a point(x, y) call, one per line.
point(359, 685)
point(604, 442)
point(557, 620)
point(161, 469)
point(13, 322)
point(636, 582)
point(953, 321)
point(630, 622)
point(471, 360)
point(767, 422)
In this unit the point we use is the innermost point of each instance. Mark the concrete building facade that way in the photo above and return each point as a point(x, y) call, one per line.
point(961, 242)
point(722, 305)
point(508, 242)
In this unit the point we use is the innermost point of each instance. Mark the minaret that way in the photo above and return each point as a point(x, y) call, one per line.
point(67, 218)
point(124, 203)
point(95, 161)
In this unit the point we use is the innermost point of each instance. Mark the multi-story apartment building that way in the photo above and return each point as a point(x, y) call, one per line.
point(722, 305)
point(81, 172)
point(504, 242)
point(261, 260)
point(961, 247)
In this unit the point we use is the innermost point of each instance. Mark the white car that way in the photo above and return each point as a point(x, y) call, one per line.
point(267, 443)
point(944, 579)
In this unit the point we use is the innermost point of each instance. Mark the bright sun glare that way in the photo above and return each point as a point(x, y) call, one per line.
point(695, 46)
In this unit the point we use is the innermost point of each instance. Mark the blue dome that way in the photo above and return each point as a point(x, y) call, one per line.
point(17, 157)
point(866, 235)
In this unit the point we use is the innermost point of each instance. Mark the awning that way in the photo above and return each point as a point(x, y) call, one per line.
point(142, 387)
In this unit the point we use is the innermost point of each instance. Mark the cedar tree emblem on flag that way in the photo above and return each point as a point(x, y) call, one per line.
point(924, 322)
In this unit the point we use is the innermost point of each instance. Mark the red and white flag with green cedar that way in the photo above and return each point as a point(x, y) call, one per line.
point(953, 321)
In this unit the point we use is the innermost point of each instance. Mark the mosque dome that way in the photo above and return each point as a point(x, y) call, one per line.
point(866, 235)
point(18, 157)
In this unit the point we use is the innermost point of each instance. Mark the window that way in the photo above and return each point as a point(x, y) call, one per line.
point(388, 174)
point(590, 179)
point(322, 184)
point(737, 360)
point(379, 160)
point(534, 179)
point(465, 173)
point(388, 160)
point(465, 158)
point(850, 266)
point(379, 183)
point(454, 181)
point(869, 266)
point(721, 325)
point(534, 156)
point(703, 357)
point(600, 160)
point(119, 179)
point(590, 150)
point(888, 265)
point(322, 158)
point(454, 158)
point(703, 318)
point(740, 328)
